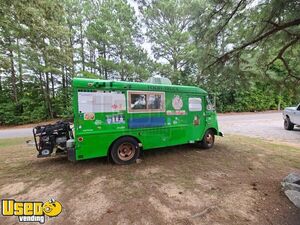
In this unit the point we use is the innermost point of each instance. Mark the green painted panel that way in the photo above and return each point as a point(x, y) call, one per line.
point(181, 125)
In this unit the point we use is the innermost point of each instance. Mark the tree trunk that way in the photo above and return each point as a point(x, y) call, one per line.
point(72, 58)
point(122, 70)
point(91, 59)
point(20, 68)
point(67, 83)
point(94, 60)
point(13, 72)
point(175, 65)
point(64, 86)
point(47, 92)
point(104, 56)
point(41, 82)
point(279, 100)
point(71, 40)
point(43, 90)
point(0, 85)
point(175, 61)
point(82, 46)
point(52, 86)
point(48, 99)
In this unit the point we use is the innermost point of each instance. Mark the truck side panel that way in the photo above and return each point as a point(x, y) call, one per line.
point(171, 127)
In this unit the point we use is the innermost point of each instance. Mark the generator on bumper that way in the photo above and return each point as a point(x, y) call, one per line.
point(53, 137)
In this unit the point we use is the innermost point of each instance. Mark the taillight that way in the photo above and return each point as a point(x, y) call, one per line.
point(80, 139)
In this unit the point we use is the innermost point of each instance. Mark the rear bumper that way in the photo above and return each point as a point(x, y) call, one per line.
point(220, 134)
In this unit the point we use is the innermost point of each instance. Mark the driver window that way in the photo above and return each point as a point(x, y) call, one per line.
point(210, 106)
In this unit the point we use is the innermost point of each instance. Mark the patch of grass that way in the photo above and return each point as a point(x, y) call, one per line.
point(230, 167)
point(13, 141)
point(179, 165)
point(276, 154)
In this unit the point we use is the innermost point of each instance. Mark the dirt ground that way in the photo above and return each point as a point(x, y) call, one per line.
point(236, 182)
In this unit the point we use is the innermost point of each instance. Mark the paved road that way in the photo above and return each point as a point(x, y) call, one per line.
point(15, 132)
point(264, 125)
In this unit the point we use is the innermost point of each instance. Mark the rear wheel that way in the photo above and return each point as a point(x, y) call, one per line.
point(125, 151)
point(208, 139)
point(288, 125)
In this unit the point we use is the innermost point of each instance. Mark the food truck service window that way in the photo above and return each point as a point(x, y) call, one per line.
point(146, 101)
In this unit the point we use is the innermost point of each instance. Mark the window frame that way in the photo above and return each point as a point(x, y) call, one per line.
point(147, 93)
point(201, 103)
point(95, 95)
point(209, 105)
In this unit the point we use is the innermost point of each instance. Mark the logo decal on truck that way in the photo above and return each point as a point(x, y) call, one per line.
point(115, 119)
point(89, 116)
point(177, 102)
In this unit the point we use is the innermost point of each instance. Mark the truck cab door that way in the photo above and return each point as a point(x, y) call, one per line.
point(210, 108)
point(196, 118)
point(210, 114)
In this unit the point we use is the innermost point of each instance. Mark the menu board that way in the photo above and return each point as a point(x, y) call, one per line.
point(101, 102)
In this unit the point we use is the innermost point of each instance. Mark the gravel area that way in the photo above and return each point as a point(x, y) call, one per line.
point(265, 125)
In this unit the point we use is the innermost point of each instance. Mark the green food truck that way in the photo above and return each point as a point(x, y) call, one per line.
point(120, 119)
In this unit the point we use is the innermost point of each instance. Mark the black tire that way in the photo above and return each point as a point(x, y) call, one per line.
point(288, 125)
point(125, 151)
point(208, 139)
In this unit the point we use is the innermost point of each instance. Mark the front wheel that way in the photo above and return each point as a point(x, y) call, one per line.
point(208, 139)
point(288, 125)
point(125, 151)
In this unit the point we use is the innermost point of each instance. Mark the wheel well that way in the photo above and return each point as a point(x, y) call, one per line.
point(214, 130)
point(109, 149)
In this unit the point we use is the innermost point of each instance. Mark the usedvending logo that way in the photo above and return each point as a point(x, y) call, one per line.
point(30, 211)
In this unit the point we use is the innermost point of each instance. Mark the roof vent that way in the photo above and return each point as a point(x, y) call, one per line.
point(156, 79)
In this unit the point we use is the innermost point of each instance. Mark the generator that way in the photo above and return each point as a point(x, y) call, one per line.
point(53, 137)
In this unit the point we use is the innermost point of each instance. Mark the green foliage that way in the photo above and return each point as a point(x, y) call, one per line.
point(246, 53)
point(11, 113)
point(257, 98)
point(168, 25)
